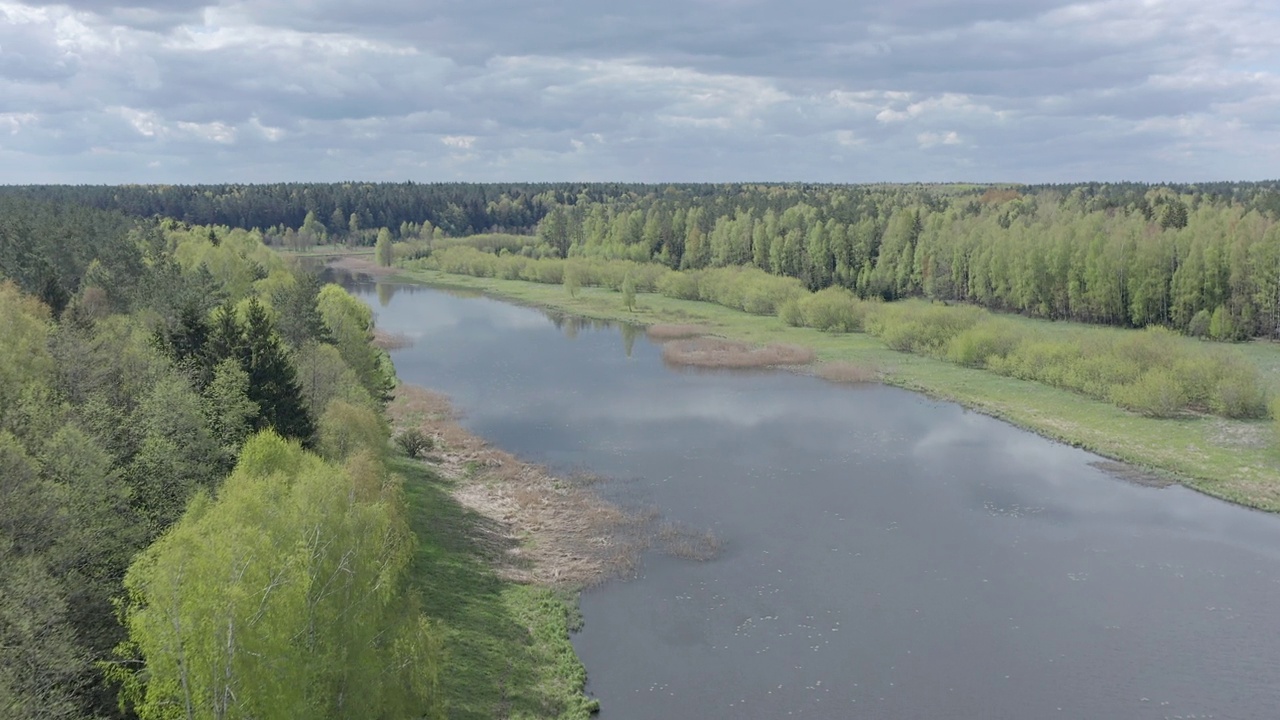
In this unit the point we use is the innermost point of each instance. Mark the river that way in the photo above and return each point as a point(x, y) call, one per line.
point(884, 555)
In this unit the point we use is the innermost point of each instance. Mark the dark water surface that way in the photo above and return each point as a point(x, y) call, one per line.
point(885, 556)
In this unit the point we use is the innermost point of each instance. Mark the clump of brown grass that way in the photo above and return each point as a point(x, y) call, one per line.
point(847, 372)
point(676, 332)
point(390, 341)
point(719, 353)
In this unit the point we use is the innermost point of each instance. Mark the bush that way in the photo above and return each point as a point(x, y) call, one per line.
point(1240, 392)
point(415, 443)
point(1199, 325)
point(680, 285)
point(792, 313)
point(1157, 394)
point(833, 310)
point(977, 346)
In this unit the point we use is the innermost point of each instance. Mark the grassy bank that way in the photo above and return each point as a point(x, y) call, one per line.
point(1229, 459)
point(507, 644)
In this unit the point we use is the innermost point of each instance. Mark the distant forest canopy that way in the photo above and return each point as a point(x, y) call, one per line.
point(1201, 258)
point(468, 208)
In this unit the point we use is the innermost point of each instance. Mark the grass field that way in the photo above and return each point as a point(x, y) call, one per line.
point(1230, 459)
point(507, 645)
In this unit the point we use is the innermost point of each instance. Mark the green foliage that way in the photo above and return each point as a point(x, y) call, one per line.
point(346, 429)
point(682, 285)
point(229, 410)
point(1158, 393)
point(25, 360)
point(1153, 372)
point(273, 383)
point(42, 666)
point(829, 310)
point(628, 292)
point(282, 597)
point(572, 280)
point(295, 311)
point(1239, 393)
point(350, 323)
point(324, 376)
point(382, 250)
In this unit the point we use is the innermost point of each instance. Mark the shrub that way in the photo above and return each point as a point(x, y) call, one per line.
point(415, 443)
point(833, 310)
point(1199, 325)
point(680, 285)
point(792, 313)
point(1240, 392)
point(1157, 394)
point(989, 339)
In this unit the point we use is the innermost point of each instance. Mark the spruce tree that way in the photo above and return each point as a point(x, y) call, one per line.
point(273, 381)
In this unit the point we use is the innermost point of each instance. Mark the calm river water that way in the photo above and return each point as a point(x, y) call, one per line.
point(885, 555)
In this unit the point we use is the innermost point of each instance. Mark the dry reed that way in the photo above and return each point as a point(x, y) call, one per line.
point(718, 353)
point(847, 372)
point(390, 341)
point(676, 332)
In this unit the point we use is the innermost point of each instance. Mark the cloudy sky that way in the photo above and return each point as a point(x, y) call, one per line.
point(660, 90)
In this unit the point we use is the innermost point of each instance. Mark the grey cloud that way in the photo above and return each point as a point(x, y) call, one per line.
point(492, 90)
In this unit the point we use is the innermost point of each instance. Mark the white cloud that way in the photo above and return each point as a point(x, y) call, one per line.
point(461, 142)
point(931, 139)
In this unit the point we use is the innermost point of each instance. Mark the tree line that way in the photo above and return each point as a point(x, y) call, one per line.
point(196, 515)
point(1203, 259)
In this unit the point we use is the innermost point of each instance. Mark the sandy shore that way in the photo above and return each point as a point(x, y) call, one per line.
point(559, 530)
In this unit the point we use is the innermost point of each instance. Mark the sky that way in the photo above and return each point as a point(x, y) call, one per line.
point(188, 91)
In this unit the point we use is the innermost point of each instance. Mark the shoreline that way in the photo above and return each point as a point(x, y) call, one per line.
point(1222, 459)
point(555, 531)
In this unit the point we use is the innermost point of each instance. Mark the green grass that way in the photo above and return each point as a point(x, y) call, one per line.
point(507, 645)
point(1230, 459)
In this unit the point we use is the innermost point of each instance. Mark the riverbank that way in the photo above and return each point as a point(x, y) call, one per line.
point(1228, 459)
point(504, 548)
point(505, 605)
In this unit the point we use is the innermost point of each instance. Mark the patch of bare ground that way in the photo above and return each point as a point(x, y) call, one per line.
point(676, 332)
point(1234, 433)
point(552, 531)
point(1131, 474)
point(847, 372)
point(720, 353)
point(389, 340)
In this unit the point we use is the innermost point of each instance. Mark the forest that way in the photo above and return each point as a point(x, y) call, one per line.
point(1200, 259)
point(197, 514)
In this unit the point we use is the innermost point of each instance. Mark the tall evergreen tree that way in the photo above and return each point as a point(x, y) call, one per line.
point(273, 381)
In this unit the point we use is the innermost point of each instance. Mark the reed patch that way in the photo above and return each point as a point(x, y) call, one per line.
point(719, 353)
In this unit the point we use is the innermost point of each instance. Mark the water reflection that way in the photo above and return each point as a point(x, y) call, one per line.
point(887, 555)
